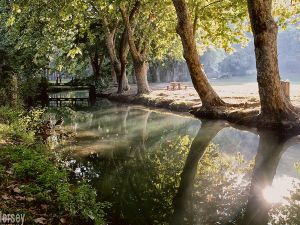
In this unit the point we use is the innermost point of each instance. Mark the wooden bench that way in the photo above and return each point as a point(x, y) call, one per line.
point(176, 85)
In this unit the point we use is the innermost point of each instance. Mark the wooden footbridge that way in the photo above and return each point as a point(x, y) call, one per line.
point(66, 87)
point(60, 101)
point(51, 96)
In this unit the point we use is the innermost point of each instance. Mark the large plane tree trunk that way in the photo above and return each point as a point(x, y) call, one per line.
point(275, 107)
point(109, 40)
point(185, 29)
point(123, 84)
point(123, 53)
point(140, 62)
point(141, 71)
point(110, 44)
point(114, 76)
point(124, 50)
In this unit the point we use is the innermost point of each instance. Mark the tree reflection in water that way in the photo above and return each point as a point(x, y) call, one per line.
point(271, 147)
point(226, 195)
point(162, 177)
point(205, 134)
point(213, 186)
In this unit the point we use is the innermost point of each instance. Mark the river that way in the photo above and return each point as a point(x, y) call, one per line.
point(156, 167)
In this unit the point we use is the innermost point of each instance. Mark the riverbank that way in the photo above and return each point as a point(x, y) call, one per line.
point(35, 181)
point(242, 98)
point(239, 93)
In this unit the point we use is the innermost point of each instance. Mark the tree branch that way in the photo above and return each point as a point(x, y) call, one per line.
point(195, 20)
point(134, 51)
point(212, 3)
point(124, 46)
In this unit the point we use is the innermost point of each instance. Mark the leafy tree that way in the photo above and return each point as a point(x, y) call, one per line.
point(153, 37)
point(16, 65)
point(57, 33)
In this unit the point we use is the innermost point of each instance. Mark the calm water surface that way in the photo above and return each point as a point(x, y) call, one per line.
point(161, 168)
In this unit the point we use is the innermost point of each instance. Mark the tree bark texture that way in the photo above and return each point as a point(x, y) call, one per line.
point(110, 44)
point(140, 63)
point(114, 76)
point(124, 50)
point(141, 71)
point(123, 53)
point(274, 104)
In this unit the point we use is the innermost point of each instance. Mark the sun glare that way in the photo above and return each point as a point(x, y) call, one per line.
point(279, 190)
point(272, 195)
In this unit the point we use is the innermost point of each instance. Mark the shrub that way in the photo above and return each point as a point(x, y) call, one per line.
point(42, 174)
point(49, 184)
point(22, 125)
point(81, 201)
point(8, 114)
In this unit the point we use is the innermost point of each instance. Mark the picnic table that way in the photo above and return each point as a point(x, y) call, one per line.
point(176, 85)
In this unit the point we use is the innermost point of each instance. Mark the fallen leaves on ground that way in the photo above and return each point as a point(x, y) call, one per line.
point(17, 190)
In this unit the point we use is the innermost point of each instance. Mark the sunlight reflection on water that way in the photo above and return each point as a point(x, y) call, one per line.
point(280, 190)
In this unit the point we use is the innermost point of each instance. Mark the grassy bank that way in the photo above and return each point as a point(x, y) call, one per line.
point(35, 180)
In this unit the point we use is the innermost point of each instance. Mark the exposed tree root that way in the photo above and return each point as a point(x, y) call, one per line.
point(145, 92)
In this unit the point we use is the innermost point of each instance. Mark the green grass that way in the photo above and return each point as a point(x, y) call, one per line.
point(33, 176)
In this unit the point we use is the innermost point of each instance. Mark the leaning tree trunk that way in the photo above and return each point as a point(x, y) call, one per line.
point(109, 40)
point(141, 70)
point(123, 53)
point(122, 78)
point(185, 29)
point(110, 44)
point(275, 107)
